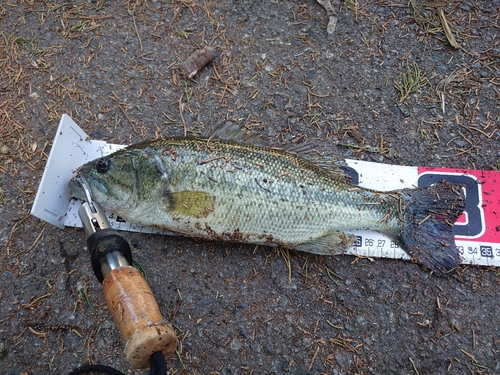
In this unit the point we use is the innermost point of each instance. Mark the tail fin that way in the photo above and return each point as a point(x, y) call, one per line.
point(427, 235)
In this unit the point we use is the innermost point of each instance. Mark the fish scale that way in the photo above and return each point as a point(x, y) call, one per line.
point(226, 191)
point(264, 192)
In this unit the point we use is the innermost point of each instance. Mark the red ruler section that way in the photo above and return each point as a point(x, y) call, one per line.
point(477, 231)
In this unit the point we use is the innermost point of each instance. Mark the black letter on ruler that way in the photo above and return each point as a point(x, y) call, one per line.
point(474, 225)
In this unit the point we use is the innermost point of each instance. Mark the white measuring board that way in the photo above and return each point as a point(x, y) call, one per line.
point(477, 231)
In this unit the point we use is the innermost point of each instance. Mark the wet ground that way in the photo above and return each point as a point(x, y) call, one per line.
point(113, 66)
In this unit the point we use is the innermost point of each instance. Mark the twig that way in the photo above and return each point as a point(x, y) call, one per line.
point(135, 28)
point(198, 60)
point(332, 23)
point(313, 358)
point(128, 118)
point(413, 364)
point(32, 246)
point(447, 30)
point(181, 109)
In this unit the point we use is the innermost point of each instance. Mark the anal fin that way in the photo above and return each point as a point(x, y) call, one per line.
point(331, 243)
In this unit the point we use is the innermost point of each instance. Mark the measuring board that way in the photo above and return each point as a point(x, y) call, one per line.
point(477, 231)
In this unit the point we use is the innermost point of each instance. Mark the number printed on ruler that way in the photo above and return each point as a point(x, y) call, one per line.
point(485, 251)
point(373, 244)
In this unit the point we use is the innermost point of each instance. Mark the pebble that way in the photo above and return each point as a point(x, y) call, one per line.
point(235, 345)
point(343, 359)
point(269, 350)
point(349, 327)
point(8, 274)
point(484, 73)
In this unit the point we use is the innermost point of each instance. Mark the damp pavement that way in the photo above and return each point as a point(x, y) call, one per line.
point(114, 67)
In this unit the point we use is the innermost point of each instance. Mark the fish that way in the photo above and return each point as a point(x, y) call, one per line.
point(243, 193)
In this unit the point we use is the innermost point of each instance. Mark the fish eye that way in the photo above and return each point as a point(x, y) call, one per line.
point(102, 165)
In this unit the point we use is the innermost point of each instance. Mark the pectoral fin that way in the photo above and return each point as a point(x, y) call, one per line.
point(190, 203)
point(333, 242)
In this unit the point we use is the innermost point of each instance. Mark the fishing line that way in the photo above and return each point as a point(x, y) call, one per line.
point(158, 367)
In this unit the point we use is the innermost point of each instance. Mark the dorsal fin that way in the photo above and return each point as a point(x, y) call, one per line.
point(337, 168)
point(232, 132)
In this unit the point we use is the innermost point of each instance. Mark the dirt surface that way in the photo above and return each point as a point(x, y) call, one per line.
point(114, 67)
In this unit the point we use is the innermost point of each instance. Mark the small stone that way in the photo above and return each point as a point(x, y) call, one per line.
point(269, 350)
point(235, 345)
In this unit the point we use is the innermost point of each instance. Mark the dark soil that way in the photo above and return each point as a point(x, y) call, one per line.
point(114, 67)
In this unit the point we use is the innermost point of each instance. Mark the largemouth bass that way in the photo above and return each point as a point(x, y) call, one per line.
point(234, 192)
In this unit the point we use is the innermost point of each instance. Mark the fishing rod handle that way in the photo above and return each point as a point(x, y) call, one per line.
point(137, 315)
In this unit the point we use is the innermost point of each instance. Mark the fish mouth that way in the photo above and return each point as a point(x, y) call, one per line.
point(87, 188)
point(76, 187)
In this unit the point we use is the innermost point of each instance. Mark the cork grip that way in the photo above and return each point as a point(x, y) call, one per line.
point(136, 313)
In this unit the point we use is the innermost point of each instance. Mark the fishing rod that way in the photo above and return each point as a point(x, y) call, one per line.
point(148, 336)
